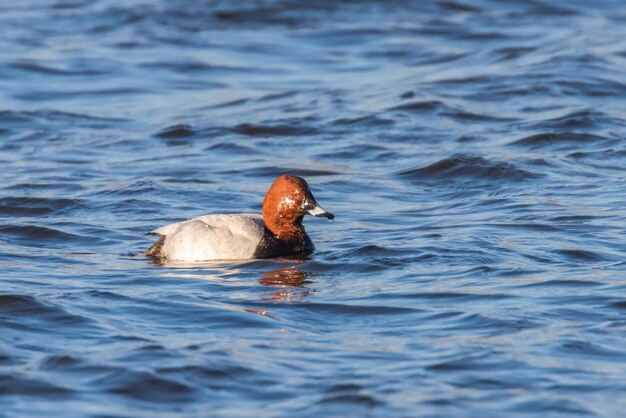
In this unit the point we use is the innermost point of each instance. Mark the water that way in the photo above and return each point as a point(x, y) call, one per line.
point(473, 153)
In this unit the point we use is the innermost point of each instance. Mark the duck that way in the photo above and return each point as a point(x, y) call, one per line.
point(277, 231)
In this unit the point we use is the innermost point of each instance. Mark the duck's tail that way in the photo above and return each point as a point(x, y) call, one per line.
point(156, 250)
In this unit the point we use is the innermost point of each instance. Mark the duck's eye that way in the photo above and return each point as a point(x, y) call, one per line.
point(292, 190)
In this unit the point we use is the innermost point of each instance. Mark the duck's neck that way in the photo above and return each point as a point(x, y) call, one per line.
point(287, 229)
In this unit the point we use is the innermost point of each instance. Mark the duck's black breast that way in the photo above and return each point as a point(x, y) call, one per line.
point(272, 246)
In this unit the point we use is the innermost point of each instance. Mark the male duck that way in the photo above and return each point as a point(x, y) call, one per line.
point(279, 231)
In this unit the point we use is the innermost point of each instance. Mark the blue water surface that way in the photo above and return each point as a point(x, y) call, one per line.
point(473, 153)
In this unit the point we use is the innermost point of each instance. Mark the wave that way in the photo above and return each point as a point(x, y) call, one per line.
point(33, 312)
point(579, 120)
point(272, 171)
point(34, 234)
point(12, 384)
point(282, 128)
point(544, 139)
point(55, 116)
point(461, 166)
point(176, 131)
point(32, 206)
point(454, 112)
point(144, 385)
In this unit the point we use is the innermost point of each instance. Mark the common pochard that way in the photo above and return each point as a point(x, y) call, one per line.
point(277, 232)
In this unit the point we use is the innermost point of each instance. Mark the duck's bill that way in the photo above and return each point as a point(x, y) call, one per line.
point(319, 212)
point(313, 209)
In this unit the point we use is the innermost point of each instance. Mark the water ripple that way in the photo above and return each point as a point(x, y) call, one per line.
point(462, 166)
point(472, 151)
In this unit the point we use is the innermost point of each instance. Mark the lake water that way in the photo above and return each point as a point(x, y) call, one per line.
point(473, 153)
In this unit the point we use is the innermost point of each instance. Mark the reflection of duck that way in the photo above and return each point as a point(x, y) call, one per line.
point(277, 232)
point(288, 278)
point(285, 276)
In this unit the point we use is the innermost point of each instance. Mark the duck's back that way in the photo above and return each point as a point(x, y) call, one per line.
point(210, 237)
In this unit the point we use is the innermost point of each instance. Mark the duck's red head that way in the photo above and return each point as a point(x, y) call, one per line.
point(286, 203)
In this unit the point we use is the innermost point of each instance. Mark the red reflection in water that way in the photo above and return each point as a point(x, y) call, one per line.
point(288, 278)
